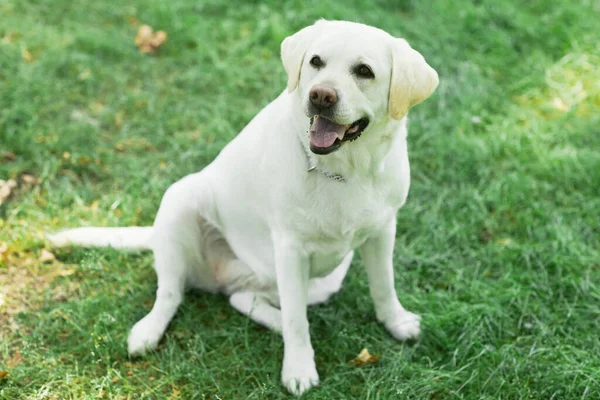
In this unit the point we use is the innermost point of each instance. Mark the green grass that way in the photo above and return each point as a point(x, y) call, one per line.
point(498, 246)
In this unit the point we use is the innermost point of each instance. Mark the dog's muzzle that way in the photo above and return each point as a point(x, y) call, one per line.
point(326, 136)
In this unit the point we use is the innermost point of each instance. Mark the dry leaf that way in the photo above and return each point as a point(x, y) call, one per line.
point(8, 156)
point(364, 358)
point(3, 374)
point(60, 296)
point(134, 144)
point(6, 188)
point(133, 21)
point(148, 41)
point(46, 256)
point(66, 272)
point(3, 248)
point(30, 179)
point(15, 360)
point(485, 236)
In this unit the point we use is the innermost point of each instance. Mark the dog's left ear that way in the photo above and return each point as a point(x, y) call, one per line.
point(293, 49)
point(413, 80)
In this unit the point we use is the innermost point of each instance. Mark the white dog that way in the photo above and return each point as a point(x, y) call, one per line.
point(273, 221)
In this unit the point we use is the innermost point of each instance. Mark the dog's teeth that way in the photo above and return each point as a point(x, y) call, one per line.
point(353, 129)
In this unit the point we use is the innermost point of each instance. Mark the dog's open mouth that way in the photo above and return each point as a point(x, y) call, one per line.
point(326, 136)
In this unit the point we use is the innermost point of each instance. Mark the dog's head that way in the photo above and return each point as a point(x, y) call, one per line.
point(350, 76)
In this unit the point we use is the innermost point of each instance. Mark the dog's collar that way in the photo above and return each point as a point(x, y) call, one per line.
point(312, 166)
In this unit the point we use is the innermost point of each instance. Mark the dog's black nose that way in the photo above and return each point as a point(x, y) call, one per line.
point(322, 96)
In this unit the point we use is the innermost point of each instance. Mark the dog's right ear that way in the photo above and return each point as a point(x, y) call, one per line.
point(293, 49)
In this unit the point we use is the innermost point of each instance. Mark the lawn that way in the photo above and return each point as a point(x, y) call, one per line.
point(498, 246)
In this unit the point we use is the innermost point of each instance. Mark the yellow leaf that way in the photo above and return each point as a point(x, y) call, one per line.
point(505, 241)
point(94, 206)
point(66, 272)
point(83, 75)
point(3, 374)
point(364, 358)
point(26, 55)
point(97, 107)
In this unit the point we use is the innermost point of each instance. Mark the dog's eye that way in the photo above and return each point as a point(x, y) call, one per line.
point(316, 62)
point(364, 71)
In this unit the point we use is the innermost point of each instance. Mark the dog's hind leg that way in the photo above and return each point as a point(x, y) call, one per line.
point(258, 308)
point(176, 242)
point(247, 294)
point(146, 334)
point(258, 305)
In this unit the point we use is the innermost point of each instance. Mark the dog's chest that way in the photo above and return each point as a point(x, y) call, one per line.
point(335, 219)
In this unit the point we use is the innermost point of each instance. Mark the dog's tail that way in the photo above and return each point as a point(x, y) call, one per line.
point(129, 238)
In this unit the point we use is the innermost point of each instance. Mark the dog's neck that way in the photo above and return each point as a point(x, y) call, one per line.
point(363, 157)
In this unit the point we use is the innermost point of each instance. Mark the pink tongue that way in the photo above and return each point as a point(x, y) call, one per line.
point(323, 132)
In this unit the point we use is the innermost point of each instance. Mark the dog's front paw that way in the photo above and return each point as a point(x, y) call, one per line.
point(404, 325)
point(144, 336)
point(299, 375)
